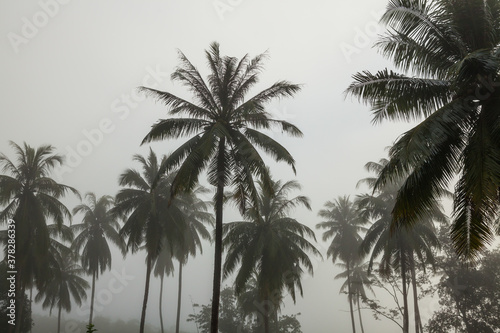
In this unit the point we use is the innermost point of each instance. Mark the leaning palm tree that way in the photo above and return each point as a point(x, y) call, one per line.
point(152, 218)
point(356, 279)
point(30, 197)
point(343, 224)
point(271, 246)
point(66, 282)
point(98, 227)
point(450, 51)
point(224, 130)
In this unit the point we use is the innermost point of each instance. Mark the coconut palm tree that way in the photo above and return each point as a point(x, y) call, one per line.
point(163, 266)
point(224, 128)
point(449, 50)
point(356, 278)
point(152, 218)
point(272, 245)
point(30, 197)
point(197, 215)
point(66, 282)
point(398, 247)
point(343, 224)
point(98, 227)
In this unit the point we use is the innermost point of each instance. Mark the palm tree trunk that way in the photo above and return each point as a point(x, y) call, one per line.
point(349, 296)
point(31, 302)
point(20, 304)
point(146, 292)
point(219, 197)
point(159, 306)
point(92, 298)
point(179, 294)
point(359, 314)
point(59, 318)
point(418, 321)
point(266, 323)
point(405, 295)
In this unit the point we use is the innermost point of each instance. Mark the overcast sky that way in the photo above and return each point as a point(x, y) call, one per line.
point(69, 71)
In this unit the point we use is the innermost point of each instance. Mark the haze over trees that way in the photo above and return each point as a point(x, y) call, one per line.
point(394, 239)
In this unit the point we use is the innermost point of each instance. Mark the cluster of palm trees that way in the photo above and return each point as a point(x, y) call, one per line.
point(54, 257)
point(449, 53)
point(403, 250)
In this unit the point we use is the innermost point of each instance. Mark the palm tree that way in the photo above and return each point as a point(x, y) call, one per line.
point(224, 130)
point(398, 247)
point(271, 244)
point(163, 266)
point(196, 211)
point(357, 278)
point(66, 283)
point(30, 197)
point(343, 224)
point(98, 226)
point(151, 216)
point(450, 49)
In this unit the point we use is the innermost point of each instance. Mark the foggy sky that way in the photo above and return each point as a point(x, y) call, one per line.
point(69, 70)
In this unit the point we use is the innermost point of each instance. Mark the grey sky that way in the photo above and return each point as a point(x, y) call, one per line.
point(69, 73)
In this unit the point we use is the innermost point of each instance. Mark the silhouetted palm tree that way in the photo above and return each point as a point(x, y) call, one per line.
point(450, 51)
point(356, 278)
point(66, 282)
point(343, 224)
point(271, 245)
point(197, 215)
point(152, 218)
point(224, 130)
point(98, 227)
point(30, 197)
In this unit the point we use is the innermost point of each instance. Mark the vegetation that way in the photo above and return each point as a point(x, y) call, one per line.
point(449, 50)
point(224, 130)
point(393, 240)
point(270, 247)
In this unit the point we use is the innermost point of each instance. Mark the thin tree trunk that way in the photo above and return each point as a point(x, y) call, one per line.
point(219, 197)
point(349, 296)
point(92, 298)
point(31, 302)
point(146, 293)
point(405, 295)
point(19, 305)
point(59, 318)
point(179, 294)
point(359, 314)
point(418, 321)
point(159, 306)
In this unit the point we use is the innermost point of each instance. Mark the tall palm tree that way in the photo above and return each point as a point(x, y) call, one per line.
point(66, 283)
point(30, 197)
point(151, 216)
point(163, 266)
point(98, 227)
point(224, 130)
point(356, 278)
point(398, 247)
point(343, 224)
point(197, 215)
point(450, 51)
point(272, 244)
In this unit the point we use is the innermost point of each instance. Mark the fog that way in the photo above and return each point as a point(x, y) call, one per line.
point(69, 79)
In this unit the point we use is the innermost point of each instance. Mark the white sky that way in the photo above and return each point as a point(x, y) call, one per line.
point(70, 72)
